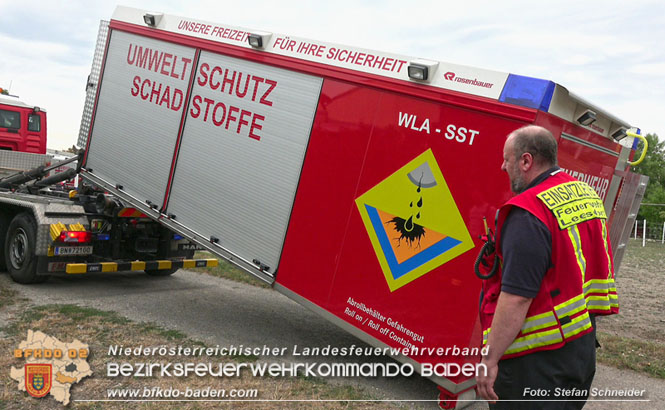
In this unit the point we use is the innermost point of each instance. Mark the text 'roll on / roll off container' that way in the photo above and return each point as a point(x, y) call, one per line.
point(353, 181)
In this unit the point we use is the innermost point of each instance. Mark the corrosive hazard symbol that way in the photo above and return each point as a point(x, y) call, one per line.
point(413, 221)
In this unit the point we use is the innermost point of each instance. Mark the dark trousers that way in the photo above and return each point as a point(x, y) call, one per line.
point(550, 379)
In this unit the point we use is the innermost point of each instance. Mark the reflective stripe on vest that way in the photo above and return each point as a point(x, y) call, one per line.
point(533, 340)
point(570, 307)
point(577, 325)
point(607, 250)
point(536, 339)
point(601, 295)
point(601, 286)
point(603, 303)
point(537, 322)
point(531, 324)
point(574, 234)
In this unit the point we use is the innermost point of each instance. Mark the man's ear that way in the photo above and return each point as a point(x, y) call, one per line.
point(526, 161)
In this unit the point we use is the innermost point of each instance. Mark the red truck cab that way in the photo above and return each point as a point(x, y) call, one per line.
point(22, 126)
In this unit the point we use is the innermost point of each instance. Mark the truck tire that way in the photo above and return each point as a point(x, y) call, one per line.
point(167, 272)
point(20, 244)
point(3, 235)
point(161, 272)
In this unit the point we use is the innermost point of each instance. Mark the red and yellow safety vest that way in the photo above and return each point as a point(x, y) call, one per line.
point(580, 280)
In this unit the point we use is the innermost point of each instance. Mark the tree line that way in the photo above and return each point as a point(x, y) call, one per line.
point(654, 167)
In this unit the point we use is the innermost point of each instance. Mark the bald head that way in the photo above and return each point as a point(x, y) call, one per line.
point(527, 153)
point(537, 141)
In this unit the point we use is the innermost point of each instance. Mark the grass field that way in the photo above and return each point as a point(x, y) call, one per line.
point(635, 338)
point(100, 330)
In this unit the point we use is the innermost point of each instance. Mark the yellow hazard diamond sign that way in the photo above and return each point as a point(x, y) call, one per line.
point(413, 221)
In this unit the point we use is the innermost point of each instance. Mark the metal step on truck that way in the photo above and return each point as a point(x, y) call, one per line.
point(353, 181)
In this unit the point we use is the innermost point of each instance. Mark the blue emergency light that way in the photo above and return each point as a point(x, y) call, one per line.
point(528, 92)
point(636, 141)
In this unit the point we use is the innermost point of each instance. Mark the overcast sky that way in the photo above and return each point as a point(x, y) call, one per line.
point(609, 52)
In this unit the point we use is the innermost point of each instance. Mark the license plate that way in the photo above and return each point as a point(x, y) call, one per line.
point(73, 250)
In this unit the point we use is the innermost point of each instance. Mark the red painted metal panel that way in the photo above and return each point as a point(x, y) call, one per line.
point(21, 138)
point(328, 185)
point(594, 166)
point(357, 143)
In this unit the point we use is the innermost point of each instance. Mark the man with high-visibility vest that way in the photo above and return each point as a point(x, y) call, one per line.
point(556, 274)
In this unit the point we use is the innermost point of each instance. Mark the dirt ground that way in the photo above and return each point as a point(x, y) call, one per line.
point(641, 288)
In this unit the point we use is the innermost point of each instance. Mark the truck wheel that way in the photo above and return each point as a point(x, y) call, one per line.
point(20, 250)
point(161, 272)
point(167, 272)
point(3, 234)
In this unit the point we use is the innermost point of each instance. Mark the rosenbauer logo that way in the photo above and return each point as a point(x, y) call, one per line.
point(450, 76)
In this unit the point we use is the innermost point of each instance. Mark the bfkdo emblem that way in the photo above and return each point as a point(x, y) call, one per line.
point(413, 221)
point(38, 378)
